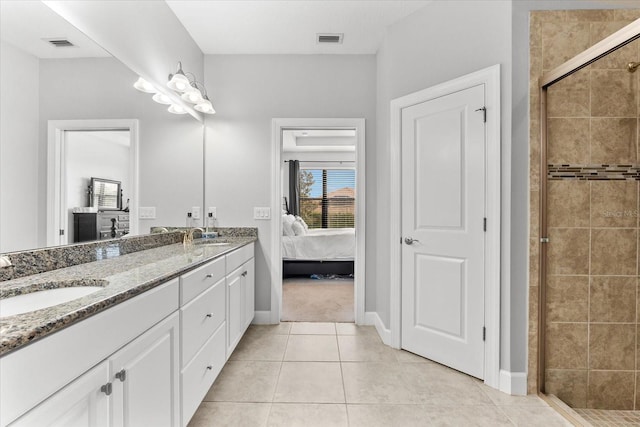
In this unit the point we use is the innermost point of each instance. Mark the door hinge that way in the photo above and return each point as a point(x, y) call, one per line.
point(107, 389)
point(484, 226)
point(61, 232)
point(544, 240)
point(484, 333)
point(484, 113)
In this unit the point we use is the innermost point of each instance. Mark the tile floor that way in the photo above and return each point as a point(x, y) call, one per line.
point(339, 374)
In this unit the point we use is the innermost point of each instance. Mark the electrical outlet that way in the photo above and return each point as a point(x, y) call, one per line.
point(213, 212)
point(195, 212)
point(262, 213)
point(147, 212)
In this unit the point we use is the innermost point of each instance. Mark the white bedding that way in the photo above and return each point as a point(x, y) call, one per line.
point(321, 244)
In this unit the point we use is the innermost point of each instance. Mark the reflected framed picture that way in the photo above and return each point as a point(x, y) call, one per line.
point(105, 194)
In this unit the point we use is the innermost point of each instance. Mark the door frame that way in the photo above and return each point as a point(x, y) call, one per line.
point(56, 185)
point(490, 77)
point(277, 127)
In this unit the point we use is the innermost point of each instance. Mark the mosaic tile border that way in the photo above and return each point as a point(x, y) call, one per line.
point(594, 172)
point(608, 417)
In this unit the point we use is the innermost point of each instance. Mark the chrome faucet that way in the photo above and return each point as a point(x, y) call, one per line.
point(188, 235)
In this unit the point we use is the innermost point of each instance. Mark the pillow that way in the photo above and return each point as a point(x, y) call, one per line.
point(304, 224)
point(298, 228)
point(287, 221)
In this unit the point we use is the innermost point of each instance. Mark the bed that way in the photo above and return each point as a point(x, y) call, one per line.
point(319, 251)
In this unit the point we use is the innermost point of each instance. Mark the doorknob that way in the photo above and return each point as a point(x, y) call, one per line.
point(409, 240)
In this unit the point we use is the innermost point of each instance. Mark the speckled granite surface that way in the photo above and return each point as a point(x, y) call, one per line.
point(26, 263)
point(127, 275)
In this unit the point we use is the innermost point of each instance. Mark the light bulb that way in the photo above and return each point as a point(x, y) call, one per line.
point(161, 98)
point(193, 96)
point(179, 82)
point(144, 86)
point(176, 109)
point(205, 107)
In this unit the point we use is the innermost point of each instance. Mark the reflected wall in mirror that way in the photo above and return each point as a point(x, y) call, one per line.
point(39, 83)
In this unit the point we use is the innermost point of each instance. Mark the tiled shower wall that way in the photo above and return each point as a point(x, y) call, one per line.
point(592, 335)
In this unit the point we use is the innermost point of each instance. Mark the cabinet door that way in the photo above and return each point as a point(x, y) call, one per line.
point(235, 310)
point(145, 376)
point(81, 404)
point(248, 286)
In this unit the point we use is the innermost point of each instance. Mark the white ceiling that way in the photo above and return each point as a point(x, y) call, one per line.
point(289, 27)
point(24, 24)
point(318, 140)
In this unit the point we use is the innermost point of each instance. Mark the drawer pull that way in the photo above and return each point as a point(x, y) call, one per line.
point(208, 276)
point(209, 315)
point(209, 367)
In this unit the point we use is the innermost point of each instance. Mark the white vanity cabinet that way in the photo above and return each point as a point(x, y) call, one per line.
point(135, 385)
point(240, 294)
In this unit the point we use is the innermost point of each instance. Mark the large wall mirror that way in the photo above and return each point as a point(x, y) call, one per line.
point(52, 73)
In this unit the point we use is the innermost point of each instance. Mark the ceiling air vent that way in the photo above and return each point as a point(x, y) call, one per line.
point(60, 42)
point(329, 37)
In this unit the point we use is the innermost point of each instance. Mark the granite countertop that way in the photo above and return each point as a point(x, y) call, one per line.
point(126, 276)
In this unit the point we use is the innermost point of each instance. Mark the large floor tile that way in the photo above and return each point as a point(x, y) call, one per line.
point(312, 382)
point(225, 414)
point(438, 385)
point(308, 300)
point(257, 346)
point(503, 399)
point(376, 382)
point(425, 415)
point(312, 348)
point(531, 416)
point(245, 381)
point(353, 329)
point(364, 349)
point(282, 328)
point(313, 328)
point(307, 415)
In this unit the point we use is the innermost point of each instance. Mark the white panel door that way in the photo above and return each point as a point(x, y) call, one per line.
point(443, 210)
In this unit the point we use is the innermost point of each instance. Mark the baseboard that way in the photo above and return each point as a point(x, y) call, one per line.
point(514, 383)
point(372, 318)
point(262, 318)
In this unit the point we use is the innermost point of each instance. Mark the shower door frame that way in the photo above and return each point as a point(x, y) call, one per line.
point(601, 49)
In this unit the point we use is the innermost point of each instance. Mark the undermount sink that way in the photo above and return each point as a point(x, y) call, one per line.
point(56, 293)
point(204, 242)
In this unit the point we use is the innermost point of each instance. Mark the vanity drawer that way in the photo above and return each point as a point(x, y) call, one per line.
point(200, 319)
point(200, 374)
point(195, 282)
point(238, 257)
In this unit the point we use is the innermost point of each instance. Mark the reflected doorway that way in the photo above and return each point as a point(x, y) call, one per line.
point(78, 151)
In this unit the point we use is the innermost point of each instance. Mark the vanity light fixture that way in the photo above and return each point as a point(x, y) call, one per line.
point(186, 86)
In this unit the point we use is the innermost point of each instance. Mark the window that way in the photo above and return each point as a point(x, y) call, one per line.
point(327, 197)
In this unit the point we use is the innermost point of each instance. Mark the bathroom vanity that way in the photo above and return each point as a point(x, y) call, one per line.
point(143, 349)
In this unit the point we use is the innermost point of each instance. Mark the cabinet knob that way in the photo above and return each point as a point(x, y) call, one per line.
point(209, 276)
point(209, 367)
point(209, 315)
point(244, 274)
point(106, 389)
point(122, 375)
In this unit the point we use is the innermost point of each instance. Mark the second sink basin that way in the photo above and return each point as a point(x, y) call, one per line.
point(43, 298)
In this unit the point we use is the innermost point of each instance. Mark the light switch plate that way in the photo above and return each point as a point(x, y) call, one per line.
point(195, 212)
point(262, 213)
point(147, 212)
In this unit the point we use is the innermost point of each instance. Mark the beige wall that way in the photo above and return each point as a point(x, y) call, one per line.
point(592, 214)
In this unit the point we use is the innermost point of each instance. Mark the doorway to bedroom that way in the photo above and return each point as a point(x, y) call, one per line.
point(321, 189)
